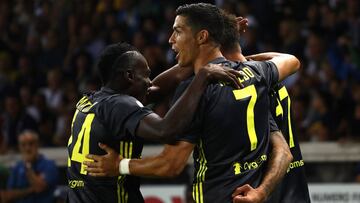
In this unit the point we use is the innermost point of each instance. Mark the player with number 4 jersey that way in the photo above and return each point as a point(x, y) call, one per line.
point(99, 118)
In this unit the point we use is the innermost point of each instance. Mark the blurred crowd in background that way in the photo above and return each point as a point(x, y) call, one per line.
point(48, 52)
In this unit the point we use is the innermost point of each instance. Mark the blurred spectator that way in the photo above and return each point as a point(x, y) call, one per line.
point(26, 74)
point(53, 92)
point(52, 55)
point(15, 120)
point(291, 41)
point(5, 73)
point(82, 63)
point(93, 44)
point(44, 117)
point(33, 179)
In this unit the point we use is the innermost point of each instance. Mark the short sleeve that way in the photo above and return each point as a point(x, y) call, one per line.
point(193, 134)
point(134, 119)
point(123, 115)
point(267, 69)
point(272, 124)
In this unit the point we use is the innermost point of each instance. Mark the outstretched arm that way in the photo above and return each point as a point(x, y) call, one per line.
point(280, 159)
point(169, 163)
point(286, 64)
point(154, 127)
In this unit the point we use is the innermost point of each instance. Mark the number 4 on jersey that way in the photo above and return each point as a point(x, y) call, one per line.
point(83, 141)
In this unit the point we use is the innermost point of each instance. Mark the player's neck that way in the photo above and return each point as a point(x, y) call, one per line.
point(207, 53)
point(234, 56)
point(120, 89)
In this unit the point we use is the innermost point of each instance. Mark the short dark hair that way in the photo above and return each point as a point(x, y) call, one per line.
point(230, 41)
point(203, 16)
point(111, 54)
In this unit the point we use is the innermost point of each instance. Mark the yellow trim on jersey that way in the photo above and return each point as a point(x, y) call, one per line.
point(84, 105)
point(83, 141)
point(283, 93)
point(200, 176)
point(71, 136)
point(126, 151)
point(279, 110)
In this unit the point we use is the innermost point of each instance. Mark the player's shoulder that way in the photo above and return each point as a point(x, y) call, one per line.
point(254, 65)
point(117, 105)
point(122, 99)
point(109, 98)
point(105, 103)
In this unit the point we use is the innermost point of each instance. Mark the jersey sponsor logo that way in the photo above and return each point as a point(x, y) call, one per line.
point(252, 165)
point(295, 164)
point(76, 184)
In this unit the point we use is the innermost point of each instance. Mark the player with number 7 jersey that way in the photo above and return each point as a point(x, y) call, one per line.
point(231, 132)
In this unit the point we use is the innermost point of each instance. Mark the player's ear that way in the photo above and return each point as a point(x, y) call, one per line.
point(129, 74)
point(202, 36)
point(126, 76)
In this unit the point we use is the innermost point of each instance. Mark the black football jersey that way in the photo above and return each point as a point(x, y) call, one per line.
point(111, 119)
point(231, 132)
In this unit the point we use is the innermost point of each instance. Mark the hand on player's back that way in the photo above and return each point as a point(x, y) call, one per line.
point(217, 72)
point(105, 165)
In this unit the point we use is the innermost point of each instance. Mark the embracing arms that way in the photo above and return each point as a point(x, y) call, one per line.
point(169, 163)
point(286, 64)
point(179, 116)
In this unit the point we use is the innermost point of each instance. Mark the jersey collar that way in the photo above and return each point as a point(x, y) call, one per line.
point(108, 90)
point(218, 60)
